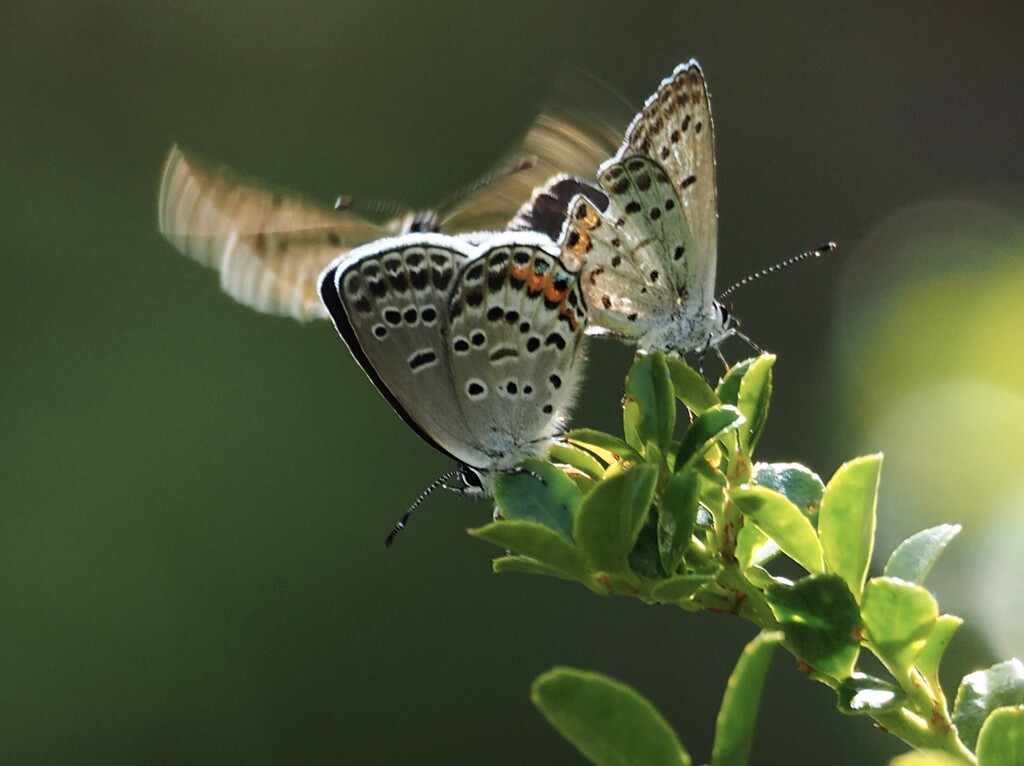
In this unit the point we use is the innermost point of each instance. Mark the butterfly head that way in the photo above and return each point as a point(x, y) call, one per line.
point(474, 482)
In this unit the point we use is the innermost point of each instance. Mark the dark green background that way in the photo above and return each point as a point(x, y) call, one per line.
point(193, 496)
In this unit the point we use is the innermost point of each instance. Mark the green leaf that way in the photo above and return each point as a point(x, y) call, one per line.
point(607, 721)
point(737, 718)
point(728, 389)
point(650, 406)
point(703, 432)
point(982, 692)
point(914, 558)
point(690, 387)
point(753, 398)
point(1001, 742)
point(678, 589)
point(579, 459)
point(536, 541)
point(935, 646)
point(677, 515)
point(611, 517)
point(898, 616)
point(862, 694)
point(783, 522)
point(820, 619)
point(754, 548)
point(540, 492)
point(607, 447)
point(644, 559)
point(801, 485)
point(846, 524)
point(524, 565)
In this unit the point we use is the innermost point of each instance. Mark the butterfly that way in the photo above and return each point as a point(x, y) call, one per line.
point(647, 243)
point(271, 246)
point(475, 346)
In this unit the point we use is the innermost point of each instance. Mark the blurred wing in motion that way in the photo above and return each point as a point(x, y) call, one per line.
point(578, 128)
point(269, 247)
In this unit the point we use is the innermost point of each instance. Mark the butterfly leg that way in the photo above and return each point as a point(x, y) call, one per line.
point(757, 349)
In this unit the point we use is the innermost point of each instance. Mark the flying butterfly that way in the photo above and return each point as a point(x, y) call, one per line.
point(475, 346)
point(647, 243)
point(270, 246)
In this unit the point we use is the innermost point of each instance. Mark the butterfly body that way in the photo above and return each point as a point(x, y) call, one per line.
point(474, 345)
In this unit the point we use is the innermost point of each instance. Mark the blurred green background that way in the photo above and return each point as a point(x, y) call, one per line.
point(193, 497)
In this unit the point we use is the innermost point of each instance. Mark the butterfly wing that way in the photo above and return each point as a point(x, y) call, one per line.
point(389, 302)
point(268, 247)
point(575, 131)
point(675, 129)
point(632, 251)
point(516, 322)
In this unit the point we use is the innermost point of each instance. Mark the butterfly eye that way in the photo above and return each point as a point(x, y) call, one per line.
point(471, 479)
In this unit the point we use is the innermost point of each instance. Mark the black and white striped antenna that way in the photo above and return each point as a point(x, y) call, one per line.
point(437, 483)
point(828, 247)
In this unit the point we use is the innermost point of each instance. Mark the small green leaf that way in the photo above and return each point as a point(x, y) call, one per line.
point(914, 558)
point(783, 522)
point(705, 430)
point(754, 396)
point(754, 548)
point(801, 485)
point(611, 517)
point(820, 619)
point(737, 718)
point(579, 459)
point(898, 616)
point(607, 721)
point(1001, 742)
point(650, 404)
point(935, 646)
point(643, 559)
point(524, 565)
point(536, 541)
point(862, 694)
point(690, 387)
point(607, 447)
point(728, 389)
point(982, 692)
point(677, 515)
point(539, 492)
point(846, 524)
point(676, 590)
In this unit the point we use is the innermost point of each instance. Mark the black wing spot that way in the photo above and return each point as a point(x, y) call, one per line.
point(478, 338)
point(422, 359)
point(393, 316)
point(555, 381)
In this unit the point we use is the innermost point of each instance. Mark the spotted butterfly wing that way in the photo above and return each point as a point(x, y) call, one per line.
point(475, 346)
point(648, 257)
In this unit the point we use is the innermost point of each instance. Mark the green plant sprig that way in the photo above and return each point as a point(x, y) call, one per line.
point(695, 522)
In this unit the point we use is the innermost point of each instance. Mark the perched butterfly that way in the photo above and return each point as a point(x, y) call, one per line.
point(270, 247)
point(474, 345)
point(647, 243)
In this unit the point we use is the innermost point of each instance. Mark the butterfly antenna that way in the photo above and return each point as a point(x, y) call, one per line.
point(828, 247)
point(438, 482)
point(522, 163)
